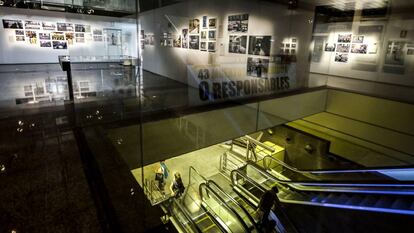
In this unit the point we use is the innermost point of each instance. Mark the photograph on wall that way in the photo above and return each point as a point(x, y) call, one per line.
point(212, 23)
point(410, 51)
point(293, 45)
point(60, 45)
point(19, 32)
point(15, 24)
point(177, 41)
point(237, 44)
point(341, 57)
point(97, 38)
point(44, 36)
point(238, 23)
point(344, 38)
point(342, 48)
point(45, 44)
point(294, 40)
point(318, 43)
point(203, 46)
point(212, 35)
point(80, 35)
point(293, 51)
point(259, 45)
point(330, 47)
point(58, 36)
point(80, 40)
point(20, 38)
point(211, 46)
point(359, 48)
point(48, 26)
point(31, 25)
point(69, 37)
point(32, 36)
point(204, 22)
point(194, 42)
point(257, 67)
point(97, 32)
point(358, 39)
point(88, 37)
point(194, 26)
point(65, 27)
point(185, 38)
point(203, 35)
point(82, 28)
point(395, 53)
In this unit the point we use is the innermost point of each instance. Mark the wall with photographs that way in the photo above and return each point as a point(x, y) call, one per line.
point(226, 40)
point(376, 49)
point(30, 36)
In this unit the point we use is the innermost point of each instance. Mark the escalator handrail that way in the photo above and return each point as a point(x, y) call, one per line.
point(245, 227)
point(187, 216)
point(191, 168)
point(212, 182)
point(294, 169)
point(347, 187)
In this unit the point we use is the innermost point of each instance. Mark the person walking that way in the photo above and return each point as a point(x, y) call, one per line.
point(165, 169)
point(177, 186)
point(265, 205)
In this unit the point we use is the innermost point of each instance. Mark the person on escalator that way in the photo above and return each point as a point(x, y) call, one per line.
point(177, 186)
point(266, 203)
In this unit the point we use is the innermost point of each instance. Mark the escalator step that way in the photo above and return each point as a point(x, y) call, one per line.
point(318, 198)
point(341, 199)
point(330, 198)
point(401, 204)
point(412, 205)
point(354, 200)
point(384, 202)
point(369, 201)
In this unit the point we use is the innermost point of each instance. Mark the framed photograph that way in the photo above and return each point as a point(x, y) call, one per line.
point(45, 44)
point(65, 27)
point(293, 46)
point(294, 40)
point(194, 42)
point(20, 38)
point(19, 32)
point(257, 67)
point(80, 40)
point(79, 35)
point(32, 36)
point(395, 53)
point(48, 26)
point(97, 38)
point(330, 47)
point(212, 35)
point(177, 41)
point(60, 44)
point(211, 46)
point(204, 22)
point(342, 48)
point(44, 36)
point(12, 24)
point(31, 25)
point(344, 38)
point(82, 28)
point(238, 44)
point(410, 51)
point(341, 57)
point(97, 32)
point(58, 36)
point(238, 23)
point(358, 39)
point(293, 51)
point(203, 46)
point(259, 45)
point(194, 26)
point(212, 23)
point(203, 35)
point(69, 37)
point(185, 38)
point(359, 48)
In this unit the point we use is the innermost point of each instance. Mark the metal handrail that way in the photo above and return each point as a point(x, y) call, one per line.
point(232, 211)
point(187, 216)
point(211, 182)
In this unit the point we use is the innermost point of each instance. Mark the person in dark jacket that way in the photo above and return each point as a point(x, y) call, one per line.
point(266, 203)
point(177, 186)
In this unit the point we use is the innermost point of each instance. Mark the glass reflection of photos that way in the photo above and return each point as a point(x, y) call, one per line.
point(194, 42)
point(395, 54)
point(330, 47)
point(204, 23)
point(257, 67)
point(294, 40)
point(194, 26)
point(344, 38)
point(203, 35)
point(238, 44)
point(32, 36)
point(80, 39)
point(48, 26)
point(359, 48)
point(45, 44)
point(357, 39)
point(211, 46)
point(212, 35)
point(82, 28)
point(342, 48)
point(259, 45)
point(28, 90)
point(20, 38)
point(97, 32)
point(69, 37)
point(238, 23)
point(44, 36)
point(212, 23)
point(58, 36)
point(60, 45)
point(15, 24)
point(31, 25)
point(341, 57)
point(64, 27)
point(80, 35)
point(97, 38)
point(203, 46)
point(185, 38)
point(410, 51)
point(177, 41)
point(19, 35)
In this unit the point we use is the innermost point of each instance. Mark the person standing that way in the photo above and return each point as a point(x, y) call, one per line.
point(177, 186)
point(265, 205)
point(165, 169)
